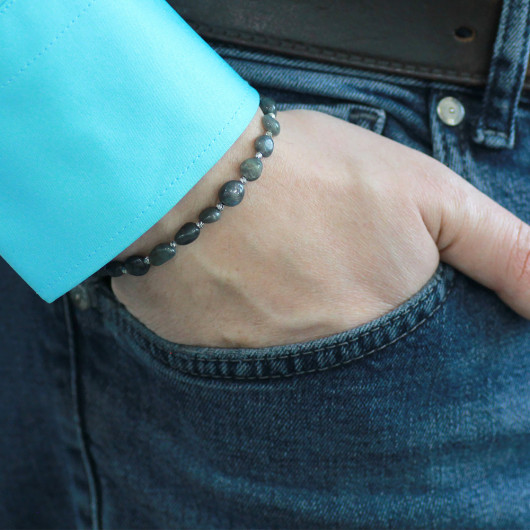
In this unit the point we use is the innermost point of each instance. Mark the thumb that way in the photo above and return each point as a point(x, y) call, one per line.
point(479, 237)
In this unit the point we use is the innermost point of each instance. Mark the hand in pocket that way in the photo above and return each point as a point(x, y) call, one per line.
point(343, 226)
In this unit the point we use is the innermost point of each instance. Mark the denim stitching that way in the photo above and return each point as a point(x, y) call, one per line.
point(486, 121)
point(325, 368)
point(496, 73)
point(390, 321)
point(7, 6)
point(47, 47)
point(153, 202)
point(515, 88)
point(79, 423)
point(513, 98)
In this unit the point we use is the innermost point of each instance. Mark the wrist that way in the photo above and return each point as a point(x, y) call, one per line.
point(202, 195)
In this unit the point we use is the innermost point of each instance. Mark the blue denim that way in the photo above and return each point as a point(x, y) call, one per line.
point(417, 419)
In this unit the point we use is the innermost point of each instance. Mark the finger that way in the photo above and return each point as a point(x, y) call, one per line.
point(479, 237)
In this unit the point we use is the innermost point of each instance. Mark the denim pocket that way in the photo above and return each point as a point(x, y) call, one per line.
point(316, 355)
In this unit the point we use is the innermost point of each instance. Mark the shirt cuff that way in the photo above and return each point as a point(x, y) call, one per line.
point(111, 112)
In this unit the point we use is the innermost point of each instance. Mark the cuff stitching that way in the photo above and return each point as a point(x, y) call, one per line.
point(47, 47)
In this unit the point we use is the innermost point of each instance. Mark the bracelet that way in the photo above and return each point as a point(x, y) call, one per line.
point(231, 193)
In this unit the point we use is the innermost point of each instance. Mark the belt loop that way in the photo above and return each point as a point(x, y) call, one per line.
point(496, 123)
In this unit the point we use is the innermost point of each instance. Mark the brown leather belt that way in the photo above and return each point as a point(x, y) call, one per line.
point(446, 40)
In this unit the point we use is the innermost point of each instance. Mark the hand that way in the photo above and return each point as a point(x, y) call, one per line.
point(342, 226)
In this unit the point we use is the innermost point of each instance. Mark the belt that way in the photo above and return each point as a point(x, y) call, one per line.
point(445, 40)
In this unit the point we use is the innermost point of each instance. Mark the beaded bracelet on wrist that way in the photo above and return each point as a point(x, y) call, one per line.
point(231, 193)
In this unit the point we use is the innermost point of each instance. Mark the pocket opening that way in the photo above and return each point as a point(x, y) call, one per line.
point(273, 362)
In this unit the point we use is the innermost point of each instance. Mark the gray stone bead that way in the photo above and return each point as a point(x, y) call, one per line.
point(267, 105)
point(136, 266)
point(271, 125)
point(210, 215)
point(162, 253)
point(264, 144)
point(251, 168)
point(231, 193)
point(114, 268)
point(188, 233)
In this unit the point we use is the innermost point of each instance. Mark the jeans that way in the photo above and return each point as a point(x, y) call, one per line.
point(417, 419)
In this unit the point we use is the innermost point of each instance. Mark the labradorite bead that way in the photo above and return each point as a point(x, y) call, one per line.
point(162, 253)
point(267, 105)
point(136, 266)
point(251, 168)
point(271, 125)
point(187, 234)
point(264, 144)
point(114, 268)
point(210, 215)
point(231, 193)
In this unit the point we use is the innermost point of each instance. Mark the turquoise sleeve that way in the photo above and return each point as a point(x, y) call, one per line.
point(110, 112)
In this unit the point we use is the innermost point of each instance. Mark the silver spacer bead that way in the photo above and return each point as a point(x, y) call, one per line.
point(124, 270)
point(220, 206)
point(243, 180)
point(173, 244)
point(258, 155)
point(271, 114)
point(200, 224)
point(147, 260)
point(269, 134)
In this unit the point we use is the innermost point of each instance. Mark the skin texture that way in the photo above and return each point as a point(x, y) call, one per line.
point(343, 226)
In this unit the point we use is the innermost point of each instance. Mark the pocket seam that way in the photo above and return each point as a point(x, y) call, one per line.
point(315, 355)
point(312, 352)
point(390, 321)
